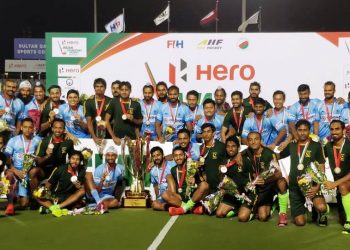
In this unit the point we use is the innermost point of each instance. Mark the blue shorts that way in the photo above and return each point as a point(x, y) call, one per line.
point(21, 190)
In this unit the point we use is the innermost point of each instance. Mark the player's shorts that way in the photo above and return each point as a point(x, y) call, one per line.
point(22, 190)
point(231, 201)
point(262, 196)
point(297, 201)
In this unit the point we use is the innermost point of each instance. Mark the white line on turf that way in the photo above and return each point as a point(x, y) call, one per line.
point(162, 233)
point(19, 222)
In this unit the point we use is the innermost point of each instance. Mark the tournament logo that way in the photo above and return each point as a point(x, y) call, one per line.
point(243, 43)
point(213, 44)
point(182, 73)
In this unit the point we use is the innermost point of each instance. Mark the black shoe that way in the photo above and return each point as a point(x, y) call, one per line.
point(323, 220)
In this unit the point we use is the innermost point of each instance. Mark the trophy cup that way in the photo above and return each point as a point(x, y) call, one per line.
point(135, 167)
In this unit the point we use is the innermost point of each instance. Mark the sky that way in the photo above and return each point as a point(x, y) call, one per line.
point(32, 18)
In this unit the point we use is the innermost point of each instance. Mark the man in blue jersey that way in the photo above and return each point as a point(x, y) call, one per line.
point(20, 150)
point(11, 108)
point(107, 181)
point(305, 108)
point(159, 172)
point(149, 110)
point(195, 109)
point(263, 125)
point(210, 116)
point(329, 109)
point(174, 116)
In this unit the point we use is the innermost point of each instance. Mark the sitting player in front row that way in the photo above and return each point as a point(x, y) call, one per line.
point(176, 196)
point(67, 186)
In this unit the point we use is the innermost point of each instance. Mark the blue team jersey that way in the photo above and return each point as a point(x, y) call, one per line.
point(197, 111)
point(193, 151)
point(16, 108)
point(345, 115)
point(310, 112)
point(266, 128)
point(174, 119)
point(149, 113)
point(279, 119)
point(17, 147)
point(156, 174)
point(327, 114)
point(72, 126)
point(110, 183)
point(217, 121)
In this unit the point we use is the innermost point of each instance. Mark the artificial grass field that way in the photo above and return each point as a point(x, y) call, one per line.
point(137, 228)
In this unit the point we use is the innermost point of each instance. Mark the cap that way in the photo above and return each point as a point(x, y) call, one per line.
point(112, 149)
point(25, 84)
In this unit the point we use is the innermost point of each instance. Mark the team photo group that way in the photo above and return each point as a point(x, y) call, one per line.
point(227, 159)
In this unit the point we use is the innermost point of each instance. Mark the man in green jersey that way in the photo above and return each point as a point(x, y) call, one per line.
point(302, 153)
point(338, 153)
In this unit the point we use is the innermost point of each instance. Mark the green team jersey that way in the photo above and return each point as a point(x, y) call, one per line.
point(60, 180)
point(231, 121)
point(214, 157)
point(59, 154)
point(122, 128)
point(248, 102)
point(313, 153)
point(258, 164)
point(44, 117)
point(175, 174)
point(239, 174)
point(344, 159)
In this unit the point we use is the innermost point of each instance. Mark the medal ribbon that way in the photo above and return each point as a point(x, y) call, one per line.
point(181, 182)
point(238, 122)
point(148, 114)
point(301, 159)
point(230, 164)
point(256, 165)
point(194, 116)
point(99, 110)
point(189, 154)
point(7, 104)
point(123, 106)
point(72, 173)
point(337, 157)
point(259, 124)
point(329, 115)
point(161, 176)
point(303, 112)
point(26, 150)
point(203, 150)
point(171, 111)
point(284, 114)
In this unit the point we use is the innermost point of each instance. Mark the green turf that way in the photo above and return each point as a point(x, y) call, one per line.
point(137, 228)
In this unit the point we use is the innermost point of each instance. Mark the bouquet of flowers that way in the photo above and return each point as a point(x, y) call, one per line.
point(4, 186)
point(87, 154)
point(101, 129)
point(230, 188)
point(305, 184)
point(3, 126)
point(191, 171)
point(274, 167)
point(83, 98)
point(212, 201)
point(28, 161)
point(169, 132)
point(319, 177)
point(42, 192)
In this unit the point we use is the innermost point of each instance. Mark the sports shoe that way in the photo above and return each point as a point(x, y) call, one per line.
point(44, 210)
point(176, 211)
point(323, 220)
point(198, 210)
point(282, 220)
point(346, 229)
point(10, 209)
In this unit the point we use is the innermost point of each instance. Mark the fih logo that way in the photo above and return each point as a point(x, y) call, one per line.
point(210, 44)
point(175, 44)
point(172, 71)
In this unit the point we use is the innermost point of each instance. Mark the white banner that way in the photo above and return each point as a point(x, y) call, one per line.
point(116, 25)
point(25, 65)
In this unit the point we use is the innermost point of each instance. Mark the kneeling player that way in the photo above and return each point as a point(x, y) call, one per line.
point(159, 173)
point(176, 195)
point(67, 185)
point(258, 159)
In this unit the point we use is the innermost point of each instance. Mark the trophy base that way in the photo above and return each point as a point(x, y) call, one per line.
point(136, 200)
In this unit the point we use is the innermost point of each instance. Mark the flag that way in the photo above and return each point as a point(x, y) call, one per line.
point(117, 25)
point(251, 20)
point(162, 16)
point(209, 18)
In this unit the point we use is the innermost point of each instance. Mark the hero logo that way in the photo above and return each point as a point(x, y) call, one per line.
point(210, 44)
point(175, 44)
point(218, 72)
